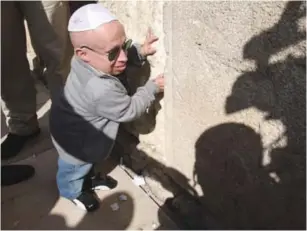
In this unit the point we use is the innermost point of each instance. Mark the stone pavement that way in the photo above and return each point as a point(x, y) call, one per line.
point(35, 204)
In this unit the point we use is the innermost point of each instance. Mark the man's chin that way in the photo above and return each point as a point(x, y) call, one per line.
point(119, 71)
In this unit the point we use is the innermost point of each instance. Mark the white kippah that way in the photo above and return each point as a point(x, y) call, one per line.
point(89, 17)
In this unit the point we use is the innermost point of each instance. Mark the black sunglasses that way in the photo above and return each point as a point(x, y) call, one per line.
point(114, 52)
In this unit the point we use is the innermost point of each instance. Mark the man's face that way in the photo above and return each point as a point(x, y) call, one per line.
point(108, 53)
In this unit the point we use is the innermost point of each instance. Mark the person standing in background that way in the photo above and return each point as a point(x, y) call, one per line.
point(58, 13)
point(75, 5)
point(47, 23)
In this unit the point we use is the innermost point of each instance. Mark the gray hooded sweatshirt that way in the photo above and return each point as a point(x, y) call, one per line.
point(85, 114)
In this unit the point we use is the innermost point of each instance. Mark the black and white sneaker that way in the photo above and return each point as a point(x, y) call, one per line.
point(102, 183)
point(87, 201)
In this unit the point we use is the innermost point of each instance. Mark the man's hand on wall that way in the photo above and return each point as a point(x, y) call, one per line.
point(159, 80)
point(147, 48)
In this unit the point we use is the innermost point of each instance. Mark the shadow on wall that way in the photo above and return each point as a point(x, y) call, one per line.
point(238, 189)
point(136, 77)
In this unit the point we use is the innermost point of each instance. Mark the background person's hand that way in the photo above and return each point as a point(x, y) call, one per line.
point(147, 48)
point(159, 80)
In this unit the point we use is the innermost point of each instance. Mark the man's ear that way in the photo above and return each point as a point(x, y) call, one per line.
point(82, 54)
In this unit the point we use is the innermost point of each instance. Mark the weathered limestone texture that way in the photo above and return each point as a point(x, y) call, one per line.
point(238, 106)
point(137, 16)
point(232, 122)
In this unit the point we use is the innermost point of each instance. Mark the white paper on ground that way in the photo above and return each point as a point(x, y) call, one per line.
point(139, 180)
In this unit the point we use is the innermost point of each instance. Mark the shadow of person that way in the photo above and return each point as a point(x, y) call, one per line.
point(284, 33)
point(107, 219)
point(24, 211)
point(138, 162)
point(178, 208)
point(22, 204)
point(281, 95)
point(279, 89)
point(102, 219)
point(236, 188)
point(137, 77)
point(237, 191)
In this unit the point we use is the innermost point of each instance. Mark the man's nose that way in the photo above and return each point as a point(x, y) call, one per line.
point(122, 56)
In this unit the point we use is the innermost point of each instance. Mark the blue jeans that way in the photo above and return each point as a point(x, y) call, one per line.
point(71, 177)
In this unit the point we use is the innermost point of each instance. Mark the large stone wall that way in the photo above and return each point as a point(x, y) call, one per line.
point(239, 100)
point(233, 114)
